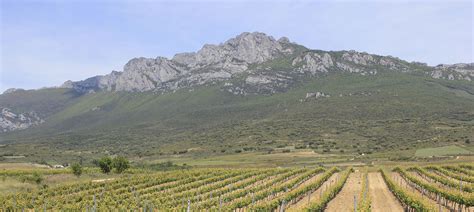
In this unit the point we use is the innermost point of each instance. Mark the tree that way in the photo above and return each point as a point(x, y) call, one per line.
point(76, 169)
point(105, 164)
point(120, 164)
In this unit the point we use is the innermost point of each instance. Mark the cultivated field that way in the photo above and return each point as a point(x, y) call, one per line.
point(409, 188)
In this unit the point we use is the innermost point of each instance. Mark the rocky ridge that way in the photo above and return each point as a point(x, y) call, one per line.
point(211, 63)
point(459, 71)
point(252, 63)
point(10, 121)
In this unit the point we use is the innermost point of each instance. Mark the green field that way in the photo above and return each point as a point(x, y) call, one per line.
point(442, 151)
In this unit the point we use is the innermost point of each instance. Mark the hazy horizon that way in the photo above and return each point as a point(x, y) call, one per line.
point(46, 43)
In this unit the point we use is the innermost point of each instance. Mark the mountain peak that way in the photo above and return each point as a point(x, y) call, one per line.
point(255, 47)
point(269, 66)
point(252, 37)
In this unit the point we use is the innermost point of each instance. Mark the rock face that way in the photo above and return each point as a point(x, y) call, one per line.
point(316, 95)
point(211, 63)
point(460, 71)
point(313, 62)
point(10, 121)
point(252, 63)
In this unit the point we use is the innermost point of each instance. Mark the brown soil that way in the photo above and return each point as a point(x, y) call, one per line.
point(344, 201)
point(381, 197)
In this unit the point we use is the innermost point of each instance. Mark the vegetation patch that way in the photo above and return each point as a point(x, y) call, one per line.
point(442, 151)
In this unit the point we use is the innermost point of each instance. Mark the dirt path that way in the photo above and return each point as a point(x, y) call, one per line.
point(381, 197)
point(344, 201)
point(315, 196)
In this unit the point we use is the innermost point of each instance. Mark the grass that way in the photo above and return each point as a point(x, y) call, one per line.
point(442, 151)
point(11, 185)
point(44, 101)
point(18, 177)
point(258, 159)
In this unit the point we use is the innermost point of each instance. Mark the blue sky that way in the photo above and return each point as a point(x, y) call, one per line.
point(44, 43)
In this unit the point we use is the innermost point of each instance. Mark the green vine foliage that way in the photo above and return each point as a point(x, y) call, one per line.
point(408, 199)
point(363, 204)
point(466, 199)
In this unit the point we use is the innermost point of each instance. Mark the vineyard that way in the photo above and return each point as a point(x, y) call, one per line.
point(412, 188)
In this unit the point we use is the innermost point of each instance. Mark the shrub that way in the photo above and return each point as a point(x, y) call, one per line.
point(120, 164)
point(300, 147)
point(105, 164)
point(35, 177)
point(249, 149)
point(76, 169)
point(183, 151)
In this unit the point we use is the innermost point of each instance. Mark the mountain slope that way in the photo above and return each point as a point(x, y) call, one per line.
point(363, 114)
point(338, 102)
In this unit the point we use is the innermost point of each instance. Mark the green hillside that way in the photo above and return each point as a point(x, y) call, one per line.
point(388, 112)
point(45, 101)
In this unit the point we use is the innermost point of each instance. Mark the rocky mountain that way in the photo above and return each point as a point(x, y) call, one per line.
point(250, 93)
point(460, 71)
point(253, 63)
point(211, 63)
point(10, 121)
